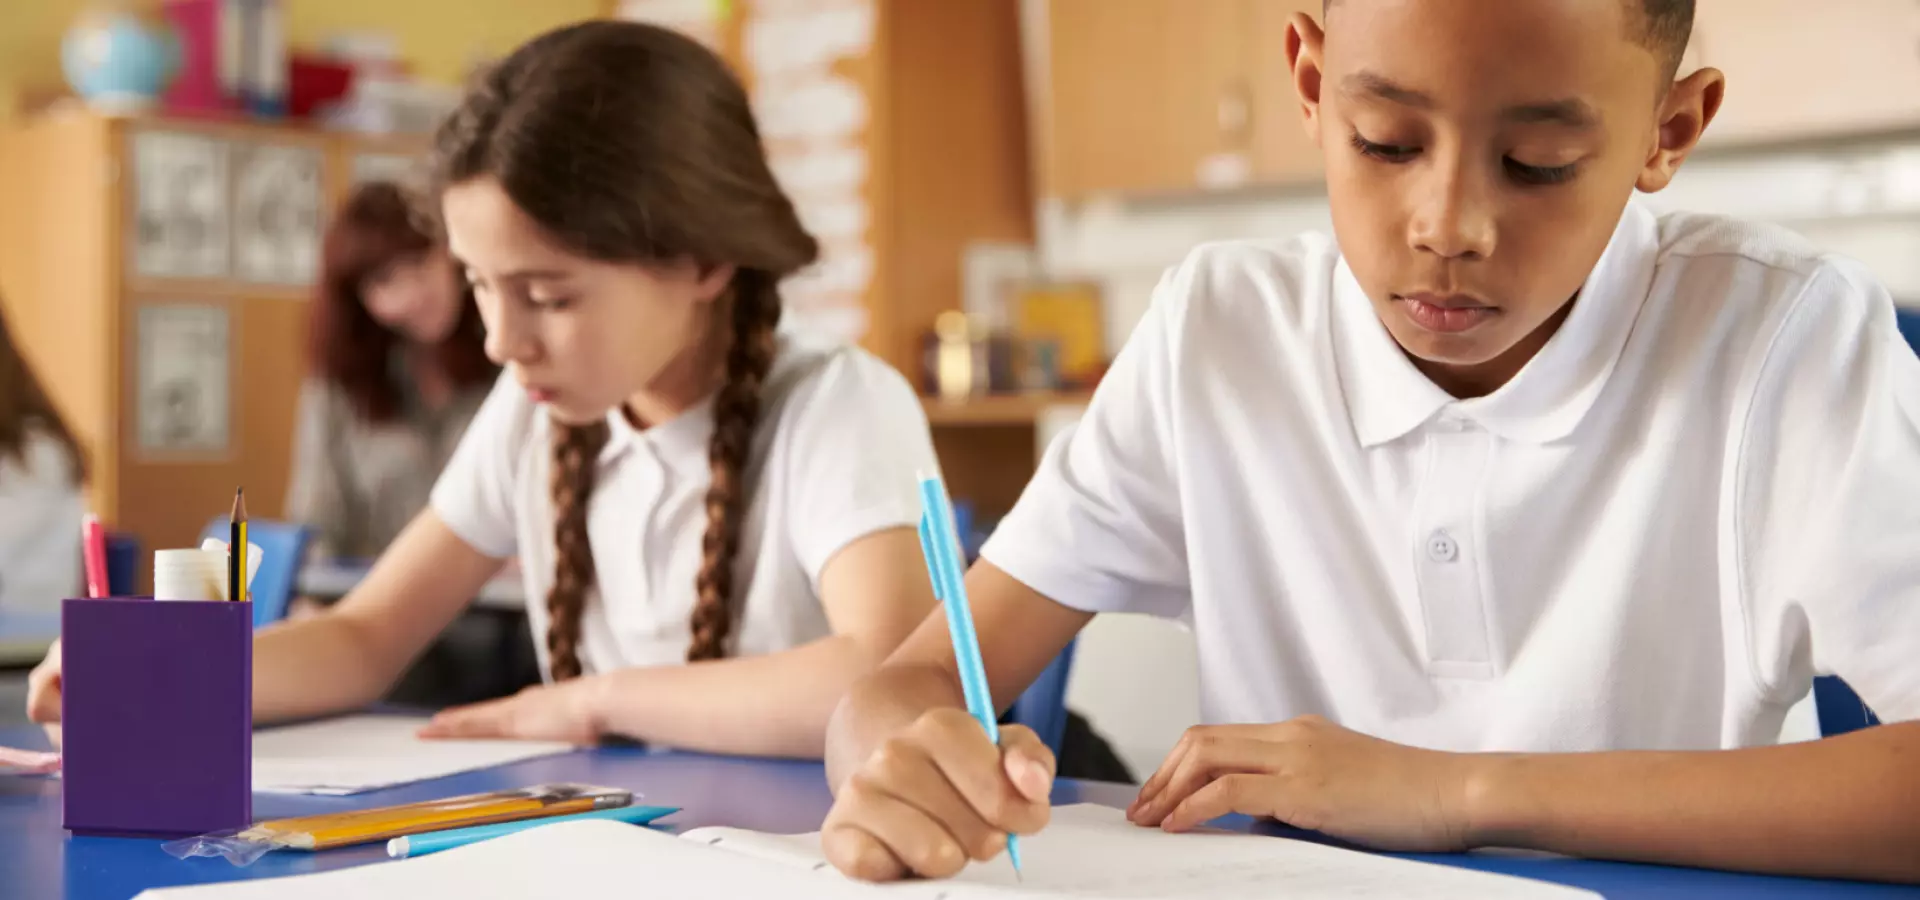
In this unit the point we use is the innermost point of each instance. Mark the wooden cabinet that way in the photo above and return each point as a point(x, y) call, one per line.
point(920, 149)
point(157, 274)
point(1168, 96)
point(1282, 153)
point(1798, 70)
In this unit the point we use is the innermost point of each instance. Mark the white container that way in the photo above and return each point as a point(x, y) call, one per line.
point(189, 575)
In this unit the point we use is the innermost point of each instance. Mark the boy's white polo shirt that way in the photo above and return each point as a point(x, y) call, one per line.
point(1701, 492)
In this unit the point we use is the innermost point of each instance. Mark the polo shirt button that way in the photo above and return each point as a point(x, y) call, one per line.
point(1442, 548)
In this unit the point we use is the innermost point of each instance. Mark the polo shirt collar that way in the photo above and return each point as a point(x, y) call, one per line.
point(1387, 397)
point(680, 442)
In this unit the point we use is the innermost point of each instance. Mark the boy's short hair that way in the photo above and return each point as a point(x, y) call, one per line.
point(1663, 26)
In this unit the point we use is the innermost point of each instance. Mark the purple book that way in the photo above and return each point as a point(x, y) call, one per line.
point(157, 716)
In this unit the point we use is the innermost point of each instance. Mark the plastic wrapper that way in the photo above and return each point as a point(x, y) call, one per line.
point(243, 847)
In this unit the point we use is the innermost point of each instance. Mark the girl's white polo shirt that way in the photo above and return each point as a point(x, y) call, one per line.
point(841, 439)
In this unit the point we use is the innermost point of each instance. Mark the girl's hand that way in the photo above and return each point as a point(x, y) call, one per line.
point(1313, 774)
point(559, 712)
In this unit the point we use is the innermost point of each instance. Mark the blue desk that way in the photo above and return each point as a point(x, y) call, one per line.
point(39, 860)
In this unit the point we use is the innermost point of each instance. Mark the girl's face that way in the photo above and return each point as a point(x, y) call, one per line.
point(582, 335)
point(417, 296)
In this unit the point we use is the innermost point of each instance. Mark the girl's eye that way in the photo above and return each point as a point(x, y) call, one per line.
point(552, 304)
point(1541, 175)
point(1389, 153)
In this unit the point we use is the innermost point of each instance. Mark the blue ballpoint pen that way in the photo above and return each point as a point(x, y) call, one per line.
point(436, 841)
point(942, 550)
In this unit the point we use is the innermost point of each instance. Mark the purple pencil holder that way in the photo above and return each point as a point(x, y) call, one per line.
point(156, 716)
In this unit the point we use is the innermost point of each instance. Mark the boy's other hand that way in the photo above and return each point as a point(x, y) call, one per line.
point(1313, 774)
point(936, 796)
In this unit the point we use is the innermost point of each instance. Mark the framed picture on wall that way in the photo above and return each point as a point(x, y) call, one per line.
point(183, 372)
point(277, 214)
point(179, 216)
point(1064, 320)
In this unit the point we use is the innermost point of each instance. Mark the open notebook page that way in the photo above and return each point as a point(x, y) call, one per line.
point(363, 753)
point(581, 860)
point(1093, 851)
point(1086, 852)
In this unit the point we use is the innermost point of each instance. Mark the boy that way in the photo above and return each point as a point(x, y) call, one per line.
point(1549, 508)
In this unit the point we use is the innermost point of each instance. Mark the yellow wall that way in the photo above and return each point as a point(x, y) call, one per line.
point(439, 37)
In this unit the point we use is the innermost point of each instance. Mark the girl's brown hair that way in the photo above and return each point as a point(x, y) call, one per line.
point(634, 144)
point(25, 408)
point(375, 228)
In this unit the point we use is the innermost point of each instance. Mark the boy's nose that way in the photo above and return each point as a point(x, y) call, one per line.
point(1455, 219)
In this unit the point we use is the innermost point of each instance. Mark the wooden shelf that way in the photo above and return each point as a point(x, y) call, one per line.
point(1009, 409)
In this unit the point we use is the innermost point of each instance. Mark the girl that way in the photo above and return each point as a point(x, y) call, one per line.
point(398, 372)
point(41, 472)
point(718, 519)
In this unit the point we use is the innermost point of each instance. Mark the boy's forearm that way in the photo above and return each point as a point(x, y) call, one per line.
point(1847, 807)
point(880, 706)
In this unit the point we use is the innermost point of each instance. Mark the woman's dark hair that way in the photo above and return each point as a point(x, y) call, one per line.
point(630, 143)
point(378, 227)
point(25, 408)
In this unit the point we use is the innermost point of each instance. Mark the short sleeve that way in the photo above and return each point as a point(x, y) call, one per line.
point(1099, 527)
point(1828, 505)
point(855, 440)
point(474, 495)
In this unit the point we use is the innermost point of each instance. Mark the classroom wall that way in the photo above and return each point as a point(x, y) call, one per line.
point(441, 38)
point(1861, 199)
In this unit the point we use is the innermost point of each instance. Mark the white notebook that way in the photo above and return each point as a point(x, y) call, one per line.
point(1087, 852)
point(364, 753)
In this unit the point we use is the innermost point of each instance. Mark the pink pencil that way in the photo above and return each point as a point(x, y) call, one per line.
point(93, 548)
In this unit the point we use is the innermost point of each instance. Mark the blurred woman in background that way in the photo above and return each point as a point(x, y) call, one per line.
point(41, 472)
point(397, 372)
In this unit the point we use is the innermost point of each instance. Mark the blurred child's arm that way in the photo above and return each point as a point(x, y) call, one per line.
point(348, 655)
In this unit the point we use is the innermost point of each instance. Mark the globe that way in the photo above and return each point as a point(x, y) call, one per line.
point(119, 60)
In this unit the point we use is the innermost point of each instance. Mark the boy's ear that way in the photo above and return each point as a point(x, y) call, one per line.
point(1690, 106)
point(714, 279)
point(1306, 44)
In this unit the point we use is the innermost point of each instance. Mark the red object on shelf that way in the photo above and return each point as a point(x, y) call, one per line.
point(197, 87)
point(314, 81)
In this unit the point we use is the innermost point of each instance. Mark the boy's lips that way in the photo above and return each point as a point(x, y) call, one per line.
point(1446, 313)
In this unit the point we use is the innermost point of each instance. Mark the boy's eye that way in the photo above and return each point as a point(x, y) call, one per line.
point(552, 304)
point(1540, 175)
point(1392, 153)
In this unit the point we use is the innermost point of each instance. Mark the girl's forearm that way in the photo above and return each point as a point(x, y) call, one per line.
point(771, 705)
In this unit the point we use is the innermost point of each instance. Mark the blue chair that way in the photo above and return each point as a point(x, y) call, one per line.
point(1909, 322)
point(1839, 708)
point(1043, 707)
point(283, 546)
